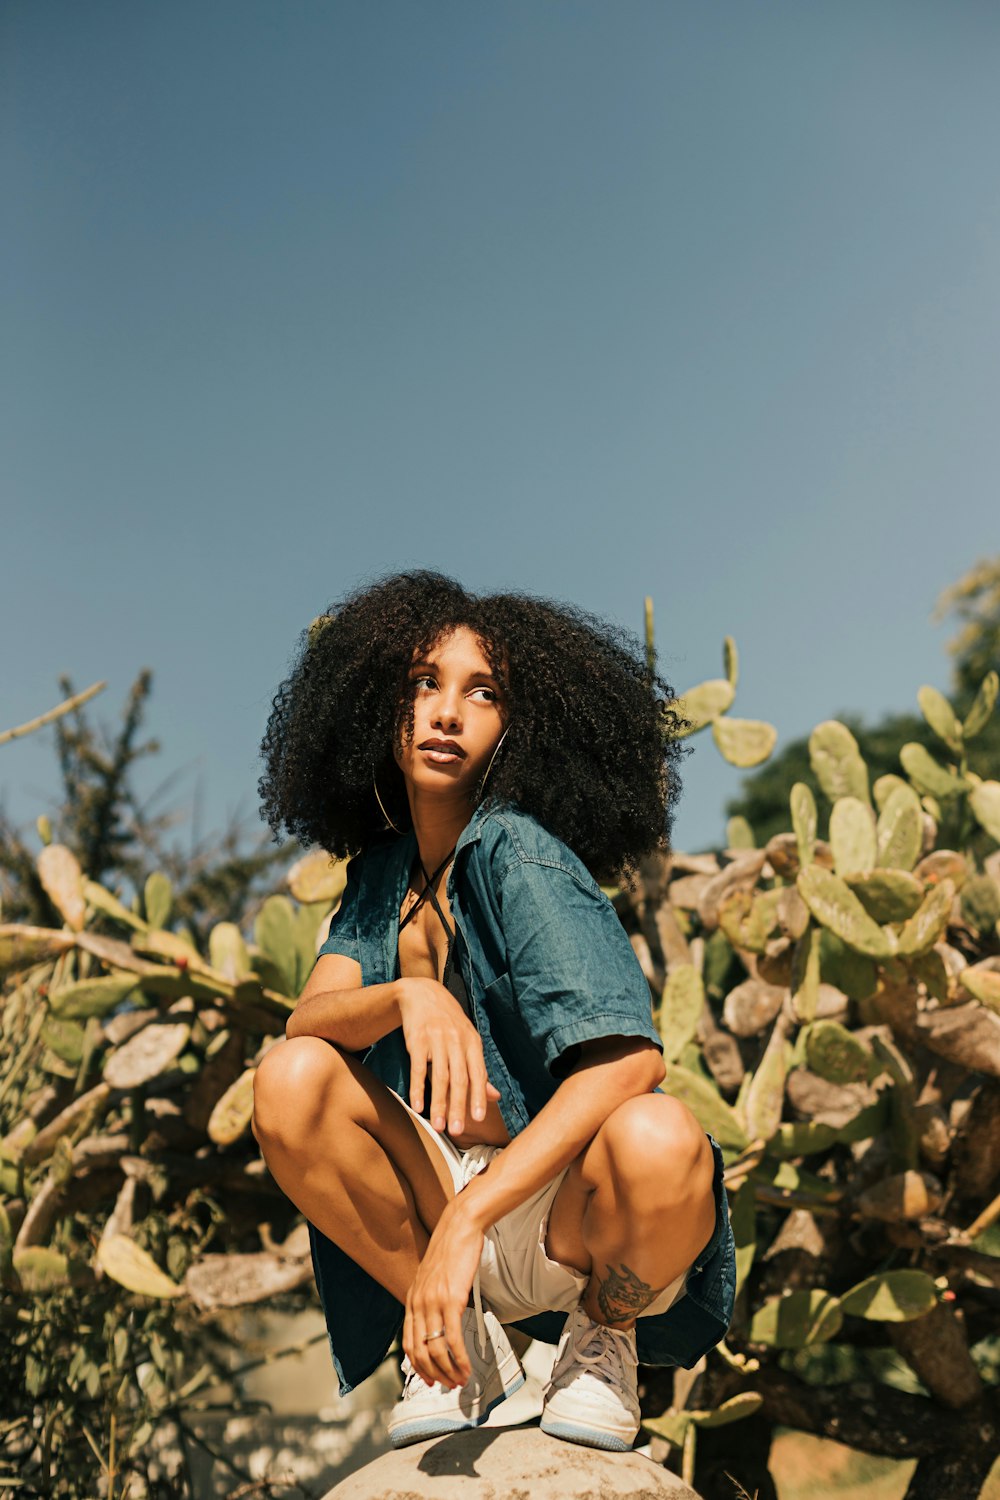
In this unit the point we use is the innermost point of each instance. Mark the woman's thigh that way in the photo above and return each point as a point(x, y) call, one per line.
point(320, 1108)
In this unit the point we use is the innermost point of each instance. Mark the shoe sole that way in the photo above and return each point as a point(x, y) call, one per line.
point(590, 1437)
point(428, 1427)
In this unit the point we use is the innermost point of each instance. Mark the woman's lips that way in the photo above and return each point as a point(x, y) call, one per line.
point(442, 752)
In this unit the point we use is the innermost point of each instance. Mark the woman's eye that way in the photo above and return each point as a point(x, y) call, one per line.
point(491, 696)
point(419, 682)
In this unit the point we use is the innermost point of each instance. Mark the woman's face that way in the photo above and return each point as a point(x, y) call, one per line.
point(458, 716)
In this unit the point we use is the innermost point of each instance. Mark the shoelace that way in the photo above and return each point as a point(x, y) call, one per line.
point(613, 1359)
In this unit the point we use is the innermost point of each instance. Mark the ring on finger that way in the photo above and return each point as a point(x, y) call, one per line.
point(440, 1334)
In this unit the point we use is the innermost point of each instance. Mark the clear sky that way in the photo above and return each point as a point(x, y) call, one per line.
point(597, 300)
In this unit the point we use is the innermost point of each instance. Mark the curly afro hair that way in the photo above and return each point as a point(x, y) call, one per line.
point(591, 750)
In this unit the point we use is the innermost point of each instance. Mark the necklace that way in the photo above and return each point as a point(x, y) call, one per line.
point(428, 890)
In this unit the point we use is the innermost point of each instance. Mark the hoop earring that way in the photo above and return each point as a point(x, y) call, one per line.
point(496, 752)
point(381, 804)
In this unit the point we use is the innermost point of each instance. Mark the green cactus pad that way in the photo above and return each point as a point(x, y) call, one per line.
point(730, 661)
point(884, 787)
point(984, 800)
point(744, 742)
point(927, 925)
point(317, 877)
point(899, 831)
point(903, 1196)
point(22, 946)
point(766, 1093)
point(227, 951)
point(234, 1111)
point(60, 874)
point(836, 1054)
point(274, 932)
point(836, 761)
point(892, 1297)
point(980, 901)
point(749, 917)
point(888, 895)
point(833, 903)
point(65, 1038)
point(928, 775)
point(797, 1320)
point(681, 1005)
point(133, 1268)
point(745, 1404)
point(703, 703)
point(983, 984)
point(157, 899)
point(147, 1054)
point(39, 1269)
point(91, 997)
point(743, 1217)
point(941, 717)
point(802, 1138)
point(803, 808)
point(982, 706)
point(852, 835)
point(805, 977)
point(102, 900)
point(739, 834)
point(706, 1104)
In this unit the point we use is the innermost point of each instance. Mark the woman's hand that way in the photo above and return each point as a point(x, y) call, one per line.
point(439, 1296)
point(440, 1036)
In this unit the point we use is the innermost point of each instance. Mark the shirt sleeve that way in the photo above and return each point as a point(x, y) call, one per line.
point(343, 935)
point(572, 970)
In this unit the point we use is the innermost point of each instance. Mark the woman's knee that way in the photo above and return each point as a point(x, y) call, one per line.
point(656, 1149)
point(295, 1085)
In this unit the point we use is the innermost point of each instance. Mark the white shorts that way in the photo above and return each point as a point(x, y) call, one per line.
point(517, 1277)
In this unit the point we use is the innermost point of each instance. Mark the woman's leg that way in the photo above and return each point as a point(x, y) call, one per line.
point(345, 1151)
point(635, 1207)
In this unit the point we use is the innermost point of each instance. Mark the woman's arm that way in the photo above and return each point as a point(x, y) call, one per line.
point(336, 1006)
point(610, 1071)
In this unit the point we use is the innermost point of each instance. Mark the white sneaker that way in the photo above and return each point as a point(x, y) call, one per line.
point(591, 1395)
point(426, 1411)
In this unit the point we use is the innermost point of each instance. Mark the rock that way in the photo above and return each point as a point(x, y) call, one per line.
point(509, 1463)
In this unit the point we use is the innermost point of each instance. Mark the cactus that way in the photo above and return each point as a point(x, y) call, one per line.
point(899, 830)
point(232, 1114)
point(739, 834)
point(834, 1053)
point(834, 904)
point(978, 716)
point(941, 717)
point(803, 808)
point(157, 899)
point(91, 997)
point(146, 1055)
point(984, 800)
point(891, 1297)
point(797, 1320)
point(766, 1091)
point(928, 775)
point(744, 742)
point(887, 895)
point(928, 923)
point(317, 877)
point(703, 704)
point(681, 1005)
point(980, 903)
point(134, 1268)
point(983, 984)
point(62, 879)
point(852, 836)
point(837, 763)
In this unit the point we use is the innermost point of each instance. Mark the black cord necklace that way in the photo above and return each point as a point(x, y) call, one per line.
point(428, 890)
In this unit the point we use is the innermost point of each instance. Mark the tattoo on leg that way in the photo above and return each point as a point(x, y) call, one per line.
point(622, 1294)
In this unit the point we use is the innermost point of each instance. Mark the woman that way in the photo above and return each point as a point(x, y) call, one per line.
point(466, 1106)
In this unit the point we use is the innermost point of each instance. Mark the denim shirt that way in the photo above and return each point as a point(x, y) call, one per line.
point(547, 965)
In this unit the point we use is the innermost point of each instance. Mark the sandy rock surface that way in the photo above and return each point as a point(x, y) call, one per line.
point(512, 1463)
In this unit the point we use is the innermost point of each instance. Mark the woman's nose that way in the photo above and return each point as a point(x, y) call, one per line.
point(448, 714)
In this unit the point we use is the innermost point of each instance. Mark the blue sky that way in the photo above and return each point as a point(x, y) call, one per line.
point(698, 300)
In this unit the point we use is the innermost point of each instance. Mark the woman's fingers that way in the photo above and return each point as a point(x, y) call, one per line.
point(458, 1095)
point(418, 1075)
point(439, 1084)
point(478, 1082)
